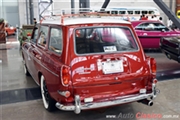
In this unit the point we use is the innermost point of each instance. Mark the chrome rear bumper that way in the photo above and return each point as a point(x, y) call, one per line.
point(121, 100)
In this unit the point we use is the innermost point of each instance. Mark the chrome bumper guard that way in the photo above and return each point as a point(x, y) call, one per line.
point(85, 106)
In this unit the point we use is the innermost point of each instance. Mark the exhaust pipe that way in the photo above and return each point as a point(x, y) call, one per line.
point(147, 102)
point(150, 103)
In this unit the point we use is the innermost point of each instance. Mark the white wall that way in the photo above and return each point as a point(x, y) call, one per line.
point(9, 11)
point(60, 4)
point(22, 13)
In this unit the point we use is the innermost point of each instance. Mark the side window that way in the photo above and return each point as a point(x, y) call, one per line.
point(35, 34)
point(55, 43)
point(109, 12)
point(160, 27)
point(141, 27)
point(151, 12)
point(122, 12)
point(150, 26)
point(114, 12)
point(43, 35)
point(145, 26)
point(130, 12)
point(137, 12)
point(144, 12)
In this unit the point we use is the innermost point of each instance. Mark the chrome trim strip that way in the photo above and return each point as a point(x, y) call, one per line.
point(84, 73)
point(46, 67)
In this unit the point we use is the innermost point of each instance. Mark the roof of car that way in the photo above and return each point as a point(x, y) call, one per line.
point(85, 21)
point(145, 21)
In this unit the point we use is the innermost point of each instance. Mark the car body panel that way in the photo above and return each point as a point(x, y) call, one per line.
point(97, 69)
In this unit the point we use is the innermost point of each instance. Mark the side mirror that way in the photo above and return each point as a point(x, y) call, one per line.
point(163, 30)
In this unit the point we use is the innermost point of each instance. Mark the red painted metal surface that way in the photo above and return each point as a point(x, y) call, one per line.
point(10, 30)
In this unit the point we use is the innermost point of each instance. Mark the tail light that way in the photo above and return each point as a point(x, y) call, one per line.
point(64, 93)
point(65, 75)
point(153, 65)
point(155, 81)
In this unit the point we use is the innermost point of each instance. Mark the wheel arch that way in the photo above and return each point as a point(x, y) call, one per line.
point(39, 77)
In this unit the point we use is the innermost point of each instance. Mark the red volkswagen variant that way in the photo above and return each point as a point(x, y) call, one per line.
point(89, 62)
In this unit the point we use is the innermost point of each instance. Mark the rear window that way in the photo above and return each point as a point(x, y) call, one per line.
point(137, 12)
point(105, 39)
point(114, 12)
point(122, 12)
point(144, 12)
point(130, 12)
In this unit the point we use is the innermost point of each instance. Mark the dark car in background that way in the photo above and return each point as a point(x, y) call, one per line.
point(170, 46)
point(150, 32)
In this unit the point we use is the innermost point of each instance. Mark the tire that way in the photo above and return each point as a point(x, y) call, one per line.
point(25, 69)
point(48, 102)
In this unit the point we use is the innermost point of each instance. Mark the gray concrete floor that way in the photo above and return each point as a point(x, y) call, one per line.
point(166, 104)
point(12, 78)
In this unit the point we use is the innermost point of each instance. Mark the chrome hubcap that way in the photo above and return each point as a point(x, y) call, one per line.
point(44, 92)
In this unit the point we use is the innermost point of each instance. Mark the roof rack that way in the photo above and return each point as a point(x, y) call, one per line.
point(81, 13)
point(71, 11)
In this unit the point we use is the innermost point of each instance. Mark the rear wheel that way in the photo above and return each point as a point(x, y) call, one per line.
point(49, 103)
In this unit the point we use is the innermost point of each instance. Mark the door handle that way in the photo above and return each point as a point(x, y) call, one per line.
point(32, 46)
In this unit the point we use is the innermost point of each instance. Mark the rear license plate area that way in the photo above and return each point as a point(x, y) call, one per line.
point(114, 66)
